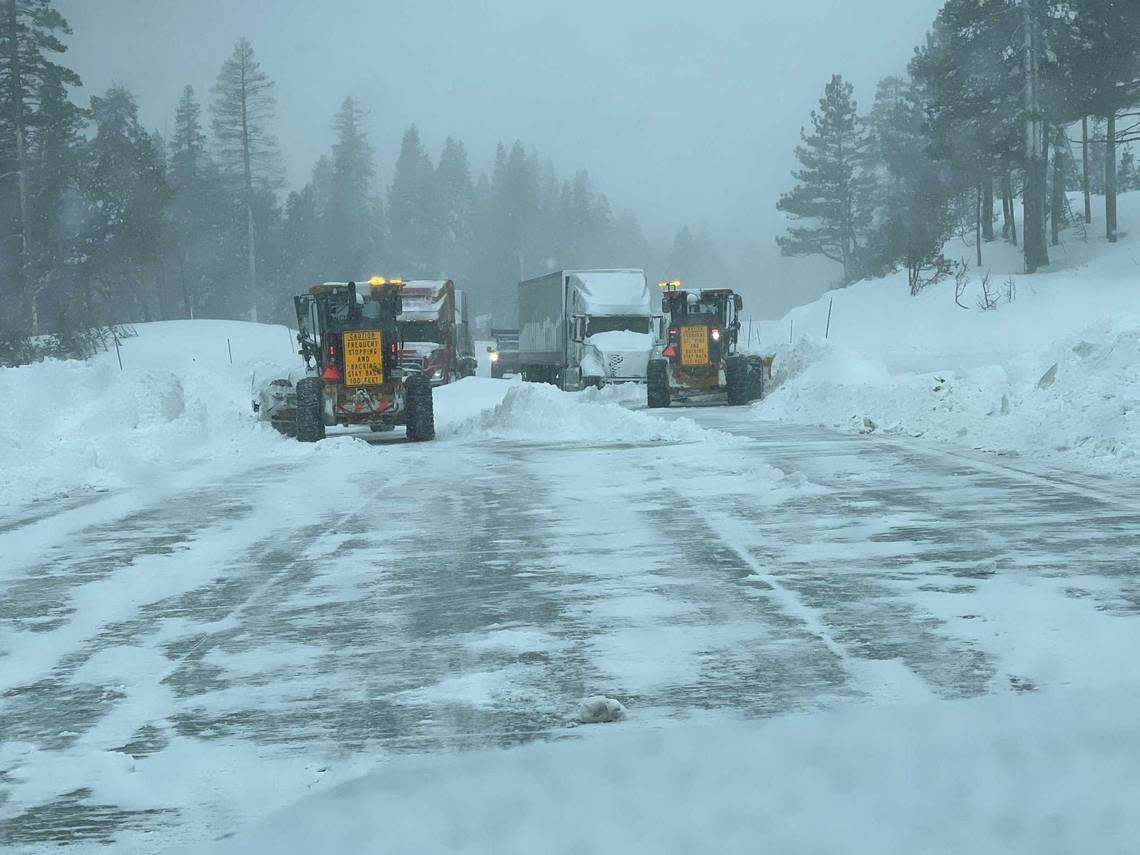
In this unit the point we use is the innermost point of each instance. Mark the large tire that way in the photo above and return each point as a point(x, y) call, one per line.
point(420, 409)
point(755, 385)
point(736, 380)
point(657, 384)
point(310, 410)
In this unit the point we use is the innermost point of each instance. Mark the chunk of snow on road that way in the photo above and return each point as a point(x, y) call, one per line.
point(600, 710)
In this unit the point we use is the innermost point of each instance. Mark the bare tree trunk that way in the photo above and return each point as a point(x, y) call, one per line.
point(16, 99)
point(1006, 206)
point(248, 170)
point(988, 209)
point(1085, 186)
point(185, 286)
point(160, 288)
point(1058, 201)
point(978, 222)
point(1035, 247)
point(1110, 220)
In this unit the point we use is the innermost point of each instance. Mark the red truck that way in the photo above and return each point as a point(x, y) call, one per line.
point(434, 334)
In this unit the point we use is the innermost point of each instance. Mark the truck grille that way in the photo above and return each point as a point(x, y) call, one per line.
point(617, 361)
point(412, 363)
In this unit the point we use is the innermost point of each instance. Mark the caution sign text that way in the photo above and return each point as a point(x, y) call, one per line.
point(363, 358)
point(695, 345)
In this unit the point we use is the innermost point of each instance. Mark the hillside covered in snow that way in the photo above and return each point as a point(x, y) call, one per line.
point(1051, 371)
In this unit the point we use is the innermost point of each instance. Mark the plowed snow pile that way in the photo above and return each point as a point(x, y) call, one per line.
point(1052, 371)
point(540, 413)
point(89, 425)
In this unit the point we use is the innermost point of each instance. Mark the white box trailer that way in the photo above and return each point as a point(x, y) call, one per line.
point(580, 328)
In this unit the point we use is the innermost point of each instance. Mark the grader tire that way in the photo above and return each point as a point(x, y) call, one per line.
point(657, 384)
point(310, 410)
point(421, 411)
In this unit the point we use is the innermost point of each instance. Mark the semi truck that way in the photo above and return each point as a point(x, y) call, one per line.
point(434, 334)
point(581, 328)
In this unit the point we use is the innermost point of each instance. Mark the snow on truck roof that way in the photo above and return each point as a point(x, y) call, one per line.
point(423, 299)
point(611, 292)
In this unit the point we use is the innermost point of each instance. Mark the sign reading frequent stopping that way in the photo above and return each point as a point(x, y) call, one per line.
point(363, 358)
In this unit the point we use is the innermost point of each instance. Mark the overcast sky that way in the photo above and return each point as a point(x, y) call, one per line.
point(682, 110)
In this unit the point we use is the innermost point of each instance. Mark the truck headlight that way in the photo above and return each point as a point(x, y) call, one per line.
point(494, 357)
point(716, 335)
point(437, 374)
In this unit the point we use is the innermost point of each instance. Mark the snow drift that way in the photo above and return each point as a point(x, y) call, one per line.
point(1004, 774)
point(535, 412)
point(1053, 371)
point(89, 425)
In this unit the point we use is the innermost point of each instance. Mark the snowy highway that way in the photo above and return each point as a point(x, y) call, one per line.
point(179, 661)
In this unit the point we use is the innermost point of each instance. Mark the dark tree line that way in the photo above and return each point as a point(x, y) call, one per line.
point(103, 221)
point(1008, 101)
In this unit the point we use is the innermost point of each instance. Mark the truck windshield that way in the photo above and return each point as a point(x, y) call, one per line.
point(614, 323)
point(421, 331)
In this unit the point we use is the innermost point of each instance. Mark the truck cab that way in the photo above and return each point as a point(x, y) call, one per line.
point(581, 328)
point(435, 337)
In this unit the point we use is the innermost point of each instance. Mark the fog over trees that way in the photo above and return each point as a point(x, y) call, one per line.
point(1017, 101)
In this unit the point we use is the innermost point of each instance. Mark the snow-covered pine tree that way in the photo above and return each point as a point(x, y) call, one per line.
point(828, 202)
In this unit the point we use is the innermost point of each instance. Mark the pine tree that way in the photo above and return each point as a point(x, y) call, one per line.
point(914, 198)
point(54, 168)
point(30, 33)
point(832, 183)
point(125, 192)
point(351, 224)
point(457, 204)
point(1128, 177)
point(197, 211)
point(694, 260)
point(242, 112)
point(1103, 58)
point(413, 219)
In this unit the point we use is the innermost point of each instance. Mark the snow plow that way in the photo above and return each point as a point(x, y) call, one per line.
point(350, 344)
point(699, 356)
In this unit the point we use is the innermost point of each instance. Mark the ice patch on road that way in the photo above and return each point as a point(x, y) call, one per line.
point(537, 412)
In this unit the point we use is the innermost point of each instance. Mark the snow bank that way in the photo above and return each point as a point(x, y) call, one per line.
point(87, 425)
point(1004, 774)
point(458, 403)
point(536, 412)
point(923, 366)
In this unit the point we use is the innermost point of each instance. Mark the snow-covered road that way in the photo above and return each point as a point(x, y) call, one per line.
point(182, 660)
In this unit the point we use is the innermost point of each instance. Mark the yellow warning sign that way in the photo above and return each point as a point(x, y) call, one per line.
point(363, 358)
point(694, 345)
